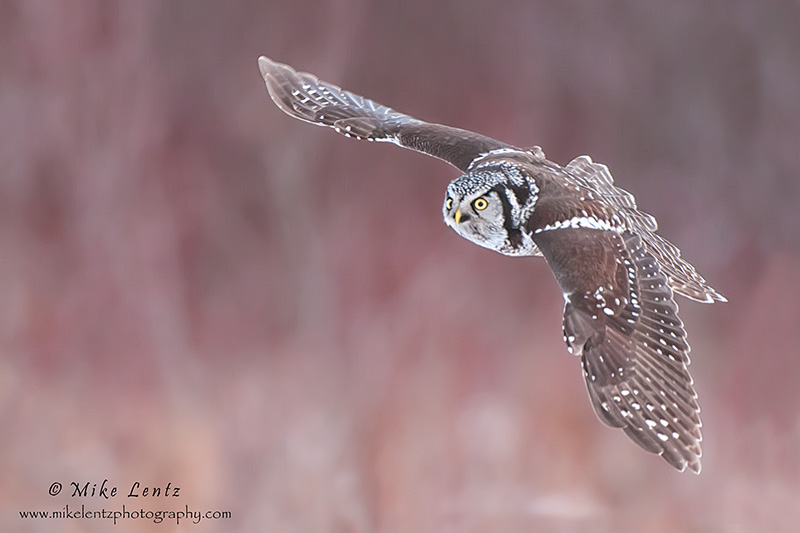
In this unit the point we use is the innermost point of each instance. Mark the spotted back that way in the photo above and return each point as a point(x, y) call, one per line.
point(683, 277)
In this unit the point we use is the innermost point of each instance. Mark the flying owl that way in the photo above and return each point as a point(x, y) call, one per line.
point(617, 275)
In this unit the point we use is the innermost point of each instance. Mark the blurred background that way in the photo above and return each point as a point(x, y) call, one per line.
point(197, 289)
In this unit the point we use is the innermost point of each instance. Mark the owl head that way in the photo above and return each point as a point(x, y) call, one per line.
point(473, 207)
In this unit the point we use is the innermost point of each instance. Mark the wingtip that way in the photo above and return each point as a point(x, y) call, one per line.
point(691, 464)
point(264, 64)
point(713, 296)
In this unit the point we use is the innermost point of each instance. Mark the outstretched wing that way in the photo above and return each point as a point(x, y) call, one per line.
point(621, 319)
point(305, 97)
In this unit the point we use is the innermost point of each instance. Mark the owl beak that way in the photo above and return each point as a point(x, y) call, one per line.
point(458, 216)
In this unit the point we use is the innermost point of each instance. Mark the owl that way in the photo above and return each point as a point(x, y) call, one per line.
point(618, 276)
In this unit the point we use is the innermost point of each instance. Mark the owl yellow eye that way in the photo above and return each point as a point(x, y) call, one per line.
point(448, 203)
point(480, 204)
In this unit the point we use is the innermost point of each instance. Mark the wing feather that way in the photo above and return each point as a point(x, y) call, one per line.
point(307, 98)
point(621, 318)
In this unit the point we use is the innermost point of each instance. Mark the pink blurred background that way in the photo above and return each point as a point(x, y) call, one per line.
point(197, 289)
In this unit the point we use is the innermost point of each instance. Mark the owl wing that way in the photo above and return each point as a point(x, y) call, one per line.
point(305, 97)
point(683, 277)
point(621, 319)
